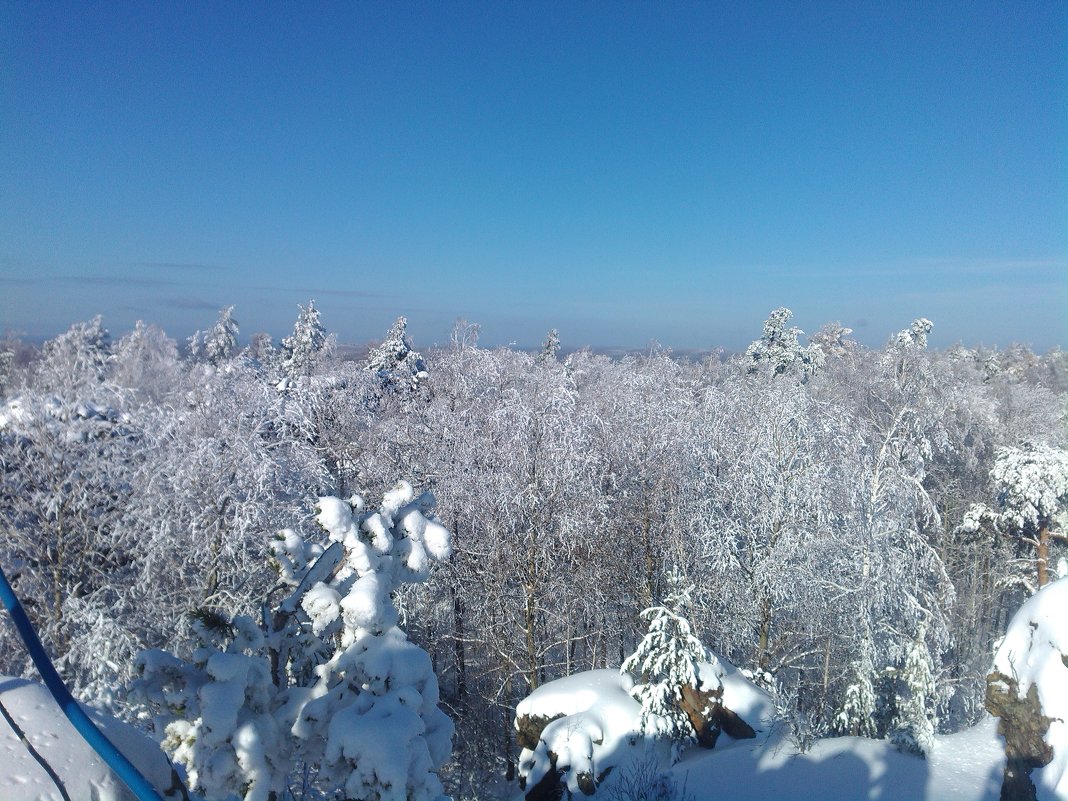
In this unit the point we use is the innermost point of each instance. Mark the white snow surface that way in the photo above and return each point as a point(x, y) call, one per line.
point(83, 774)
point(577, 693)
point(966, 766)
point(1034, 651)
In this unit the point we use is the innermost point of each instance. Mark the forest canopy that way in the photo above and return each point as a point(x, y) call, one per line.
point(848, 519)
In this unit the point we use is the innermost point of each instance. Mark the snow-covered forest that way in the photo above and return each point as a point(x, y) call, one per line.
point(852, 528)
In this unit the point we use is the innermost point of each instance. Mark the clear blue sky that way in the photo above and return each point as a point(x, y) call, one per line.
point(623, 171)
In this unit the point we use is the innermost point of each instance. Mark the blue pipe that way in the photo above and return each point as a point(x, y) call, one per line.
point(75, 714)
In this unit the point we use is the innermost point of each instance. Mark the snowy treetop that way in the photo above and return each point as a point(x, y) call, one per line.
point(1032, 485)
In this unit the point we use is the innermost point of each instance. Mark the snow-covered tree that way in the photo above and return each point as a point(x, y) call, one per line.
point(328, 681)
point(218, 345)
point(779, 349)
point(226, 462)
point(261, 349)
point(145, 361)
point(666, 661)
point(913, 728)
point(833, 340)
point(7, 368)
point(550, 347)
point(394, 360)
point(915, 336)
point(1032, 489)
point(305, 346)
point(856, 715)
point(75, 360)
point(221, 343)
point(65, 476)
point(464, 335)
point(9, 347)
point(772, 486)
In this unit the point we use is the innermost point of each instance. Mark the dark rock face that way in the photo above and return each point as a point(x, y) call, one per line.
point(1024, 727)
point(550, 787)
point(528, 729)
point(709, 717)
point(703, 710)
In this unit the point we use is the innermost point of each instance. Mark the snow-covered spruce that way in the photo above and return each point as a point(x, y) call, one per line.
point(327, 681)
point(218, 345)
point(913, 728)
point(551, 347)
point(309, 340)
point(666, 665)
point(856, 716)
point(395, 362)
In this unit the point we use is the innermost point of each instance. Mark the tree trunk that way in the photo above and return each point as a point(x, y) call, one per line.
point(765, 634)
point(531, 641)
point(1042, 560)
point(458, 645)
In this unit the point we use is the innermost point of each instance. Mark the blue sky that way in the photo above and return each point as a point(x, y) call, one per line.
point(621, 171)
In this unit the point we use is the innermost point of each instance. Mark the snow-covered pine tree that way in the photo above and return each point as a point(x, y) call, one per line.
point(914, 728)
point(220, 344)
point(303, 348)
point(327, 681)
point(550, 347)
point(1032, 489)
point(667, 659)
point(856, 715)
point(779, 350)
point(394, 360)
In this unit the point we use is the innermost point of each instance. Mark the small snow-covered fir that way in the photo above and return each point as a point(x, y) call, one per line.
point(303, 348)
point(666, 660)
point(914, 728)
point(395, 361)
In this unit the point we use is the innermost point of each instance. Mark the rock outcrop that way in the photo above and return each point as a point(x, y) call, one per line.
point(1027, 690)
point(575, 731)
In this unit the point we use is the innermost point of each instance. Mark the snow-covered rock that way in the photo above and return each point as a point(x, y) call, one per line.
point(585, 726)
point(579, 725)
point(1028, 690)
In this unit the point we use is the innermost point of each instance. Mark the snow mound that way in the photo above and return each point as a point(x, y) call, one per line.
point(588, 724)
point(592, 718)
point(962, 767)
point(84, 776)
point(740, 695)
